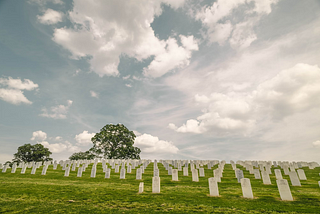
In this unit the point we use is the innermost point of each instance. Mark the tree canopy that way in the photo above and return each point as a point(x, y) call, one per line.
point(82, 156)
point(28, 153)
point(115, 142)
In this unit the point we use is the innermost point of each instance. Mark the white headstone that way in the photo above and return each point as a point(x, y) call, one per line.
point(79, 174)
point(185, 171)
point(213, 187)
point(170, 170)
point(201, 172)
point(44, 170)
point(175, 175)
point(239, 175)
point(23, 170)
point(123, 173)
point(256, 173)
point(138, 174)
point(66, 172)
point(156, 173)
point(278, 174)
point(246, 188)
point(294, 179)
point(265, 177)
point(284, 190)
point(117, 169)
point(141, 187)
point(195, 176)
point(129, 169)
point(34, 168)
point(301, 174)
point(155, 184)
point(93, 171)
point(108, 172)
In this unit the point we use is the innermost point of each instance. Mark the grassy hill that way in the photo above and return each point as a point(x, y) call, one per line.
point(54, 193)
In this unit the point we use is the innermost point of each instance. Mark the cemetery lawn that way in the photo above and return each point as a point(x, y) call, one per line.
point(54, 193)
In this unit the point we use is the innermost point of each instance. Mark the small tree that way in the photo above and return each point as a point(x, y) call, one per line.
point(115, 142)
point(82, 156)
point(28, 153)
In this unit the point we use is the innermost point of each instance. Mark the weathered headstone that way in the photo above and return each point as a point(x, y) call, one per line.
point(213, 187)
point(117, 169)
point(107, 173)
point(5, 167)
point(195, 176)
point(201, 172)
point(265, 177)
point(175, 175)
point(93, 171)
point(301, 174)
point(278, 174)
point(185, 171)
point(170, 170)
point(239, 175)
point(246, 188)
point(155, 184)
point(23, 170)
point(14, 168)
point(44, 170)
point(123, 173)
point(294, 179)
point(141, 187)
point(129, 169)
point(256, 173)
point(156, 173)
point(284, 190)
point(34, 168)
point(79, 174)
point(138, 174)
point(66, 172)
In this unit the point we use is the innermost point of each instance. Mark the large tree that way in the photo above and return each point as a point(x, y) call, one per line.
point(28, 153)
point(82, 156)
point(115, 142)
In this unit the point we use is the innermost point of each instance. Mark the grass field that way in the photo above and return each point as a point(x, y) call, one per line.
point(54, 193)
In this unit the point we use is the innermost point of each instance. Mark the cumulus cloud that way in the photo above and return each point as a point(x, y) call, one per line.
point(60, 147)
point(290, 92)
point(151, 145)
point(94, 94)
point(57, 112)
point(13, 90)
point(50, 17)
point(104, 35)
point(39, 135)
point(84, 138)
point(216, 19)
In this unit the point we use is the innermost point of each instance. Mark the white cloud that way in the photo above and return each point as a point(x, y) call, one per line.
point(104, 35)
point(50, 17)
point(129, 85)
point(151, 145)
point(84, 138)
point(175, 56)
point(60, 147)
point(57, 112)
point(292, 91)
point(217, 21)
point(126, 77)
point(39, 135)
point(18, 84)
point(13, 91)
point(44, 2)
point(316, 143)
point(13, 96)
point(94, 94)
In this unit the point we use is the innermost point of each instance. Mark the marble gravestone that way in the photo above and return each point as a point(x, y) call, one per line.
point(141, 187)
point(246, 188)
point(265, 178)
point(123, 173)
point(284, 190)
point(213, 187)
point(155, 184)
point(175, 174)
point(294, 179)
point(107, 173)
point(278, 174)
point(201, 172)
point(195, 176)
point(239, 175)
point(79, 174)
point(256, 173)
point(301, 174)
point(138, 174)
point(185, 171)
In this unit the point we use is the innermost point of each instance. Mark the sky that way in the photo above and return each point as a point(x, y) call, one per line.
point(219, 80)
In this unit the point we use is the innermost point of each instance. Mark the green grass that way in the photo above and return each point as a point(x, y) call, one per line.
point(54, 193)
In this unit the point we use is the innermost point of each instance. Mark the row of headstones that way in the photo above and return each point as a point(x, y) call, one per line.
point(265, 167)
